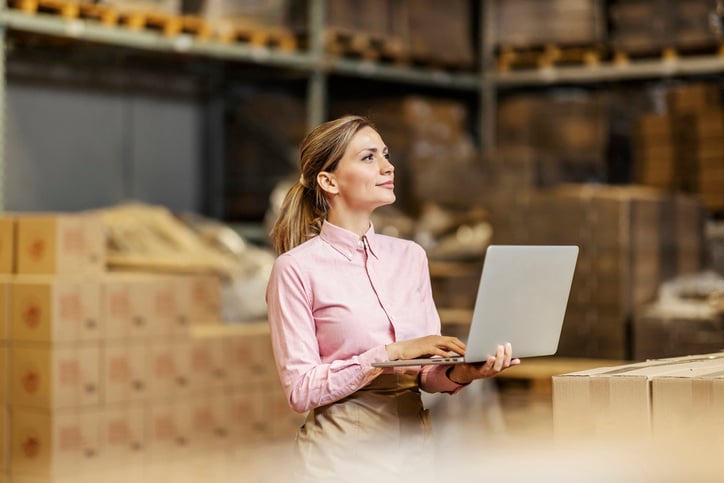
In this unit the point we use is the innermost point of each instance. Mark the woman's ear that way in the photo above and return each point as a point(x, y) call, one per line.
point(327, 182)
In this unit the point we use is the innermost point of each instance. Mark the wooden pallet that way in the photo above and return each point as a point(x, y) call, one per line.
point(509, 58)
point(363, 45)
point(622, 57)
point(169, 25)
point(69, 10)
point(271, 37)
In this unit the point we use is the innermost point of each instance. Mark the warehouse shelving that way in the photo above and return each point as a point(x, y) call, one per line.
point(313, 62)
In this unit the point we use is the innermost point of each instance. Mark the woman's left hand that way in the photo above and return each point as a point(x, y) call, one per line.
point(465, 373)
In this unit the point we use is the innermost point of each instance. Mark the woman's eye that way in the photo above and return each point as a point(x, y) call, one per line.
point(369, 157)
point(387, 156)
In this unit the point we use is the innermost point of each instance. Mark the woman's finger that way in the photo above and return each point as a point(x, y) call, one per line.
point(499, 358)
point(508, 354)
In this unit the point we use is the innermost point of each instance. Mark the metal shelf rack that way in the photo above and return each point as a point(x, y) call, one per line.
point(318, 65)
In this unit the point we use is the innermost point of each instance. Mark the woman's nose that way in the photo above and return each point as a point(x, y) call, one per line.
point(387, 167)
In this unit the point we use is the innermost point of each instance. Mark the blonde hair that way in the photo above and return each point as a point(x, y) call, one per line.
point(305, 205)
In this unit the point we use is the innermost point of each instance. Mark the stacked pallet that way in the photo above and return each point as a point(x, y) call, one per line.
point(683, 149)
point(105, 372)
point(424, 32)
point(530, 32)
point(630, 239)
point(661, 27)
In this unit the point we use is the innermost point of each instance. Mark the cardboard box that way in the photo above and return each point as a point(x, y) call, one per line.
point(208, 364)
point(169, 430)
point(615, 402)
point(250, 416)
point(46, 376)
point(4, 438)
point(205, 296)
point(54, 244)
point(55, 309)
point(124, 373)
point(7, 244)
point(54, 443)
point(126, 304)
point(209, 420)
point(123, 438)
point(168, 366)
point(688, 406)
point(5, 282)
point(252, 359)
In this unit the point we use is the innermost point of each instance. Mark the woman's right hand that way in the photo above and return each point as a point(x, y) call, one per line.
point(431, 345)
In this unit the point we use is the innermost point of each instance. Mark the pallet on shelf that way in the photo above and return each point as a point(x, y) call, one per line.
point(258, 36)
point(69, 10)
point(511, 57)
point(622, 56)
point(364, 45)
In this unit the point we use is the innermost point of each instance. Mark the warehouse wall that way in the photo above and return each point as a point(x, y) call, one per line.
point(71, 149)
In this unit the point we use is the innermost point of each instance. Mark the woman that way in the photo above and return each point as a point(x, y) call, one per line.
point(341, 298)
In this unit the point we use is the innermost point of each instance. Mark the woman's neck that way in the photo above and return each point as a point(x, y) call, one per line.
point(358, 224)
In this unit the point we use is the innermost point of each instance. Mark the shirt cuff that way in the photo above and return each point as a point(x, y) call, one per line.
point(434, 379)
point(366, 359)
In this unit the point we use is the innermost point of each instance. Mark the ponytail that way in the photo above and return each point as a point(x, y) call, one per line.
point(299, 219)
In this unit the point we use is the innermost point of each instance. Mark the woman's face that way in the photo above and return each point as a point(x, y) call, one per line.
point(364, 178)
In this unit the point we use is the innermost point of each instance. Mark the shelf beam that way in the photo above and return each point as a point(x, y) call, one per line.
point(428, 77)
point(610, 72)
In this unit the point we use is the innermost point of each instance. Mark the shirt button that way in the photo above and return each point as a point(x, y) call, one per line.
point(360, 244)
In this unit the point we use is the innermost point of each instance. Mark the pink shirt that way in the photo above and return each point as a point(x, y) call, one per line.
point(335, 301)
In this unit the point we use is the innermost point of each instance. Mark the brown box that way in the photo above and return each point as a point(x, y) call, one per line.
point(55, 309)
point(250, 416)
point(53, 443)
point(168, 366)
point(136, 306)
point(208, 365)
point(123, 372)
point(249, 352)
point(688, 407)
point(54, 244)
point(7, 244)
point(616, 402)
point(5, 282)
point(45, 376)
point(122, 435)
point(4, 440)
point(205, 297)
point(209, 420)
point(169, 430)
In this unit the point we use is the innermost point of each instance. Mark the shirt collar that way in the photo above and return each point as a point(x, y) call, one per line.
point(345, 241)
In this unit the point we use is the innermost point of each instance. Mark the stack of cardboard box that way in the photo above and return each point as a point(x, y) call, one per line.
point(107, 371)
point(646, 27)
point(682, 149)
point(529, 23)
point(630, 239)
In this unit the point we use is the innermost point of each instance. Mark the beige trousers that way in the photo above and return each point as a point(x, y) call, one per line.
point(380, 433)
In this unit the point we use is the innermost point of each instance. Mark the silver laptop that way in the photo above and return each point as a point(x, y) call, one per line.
point(522, 299)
